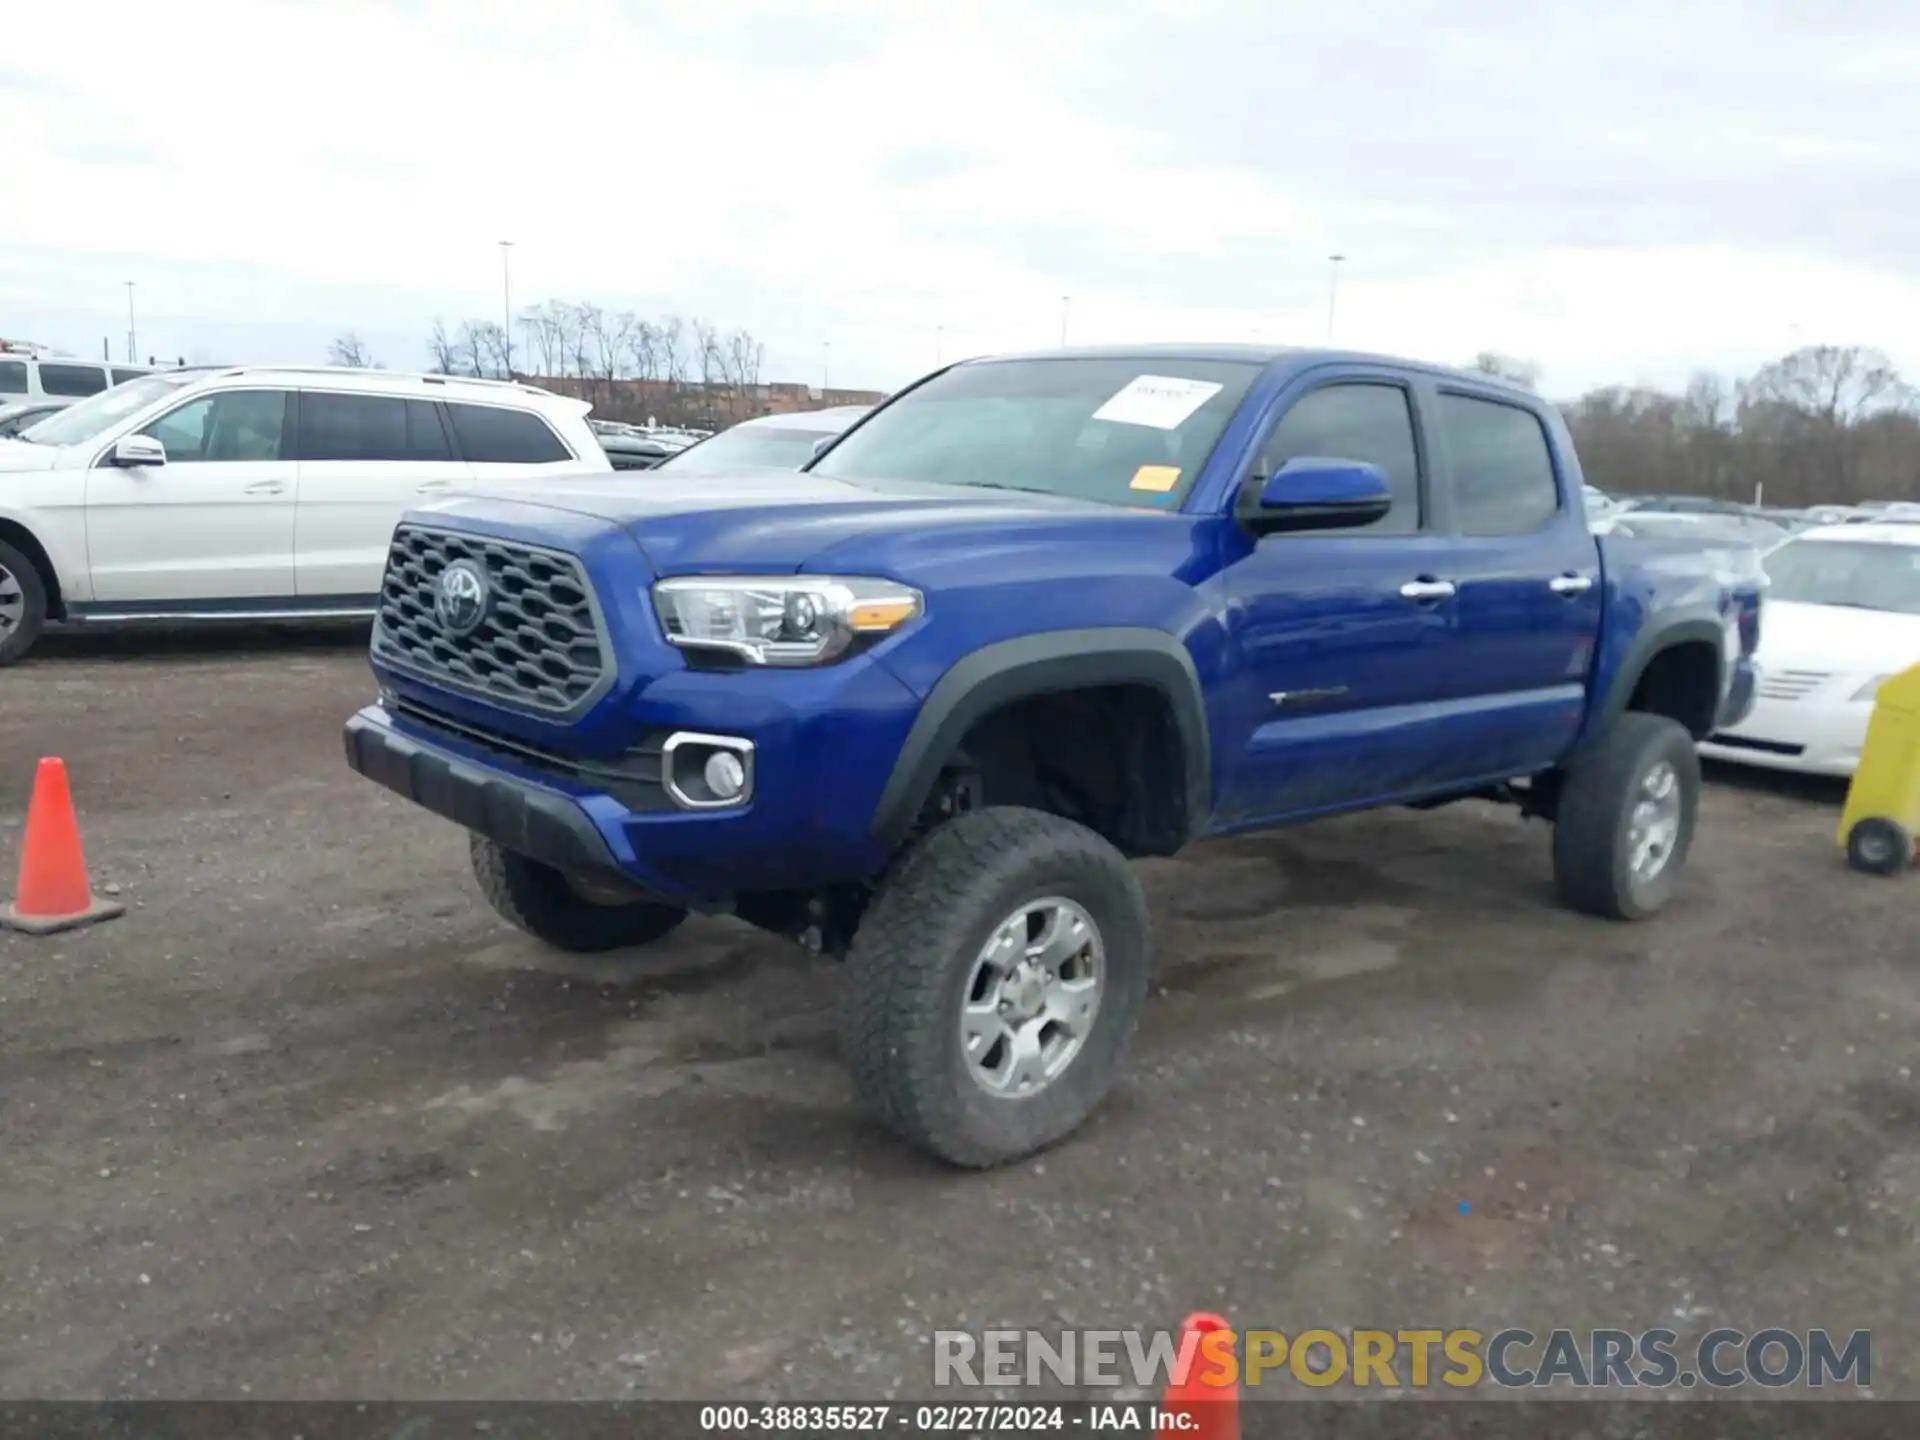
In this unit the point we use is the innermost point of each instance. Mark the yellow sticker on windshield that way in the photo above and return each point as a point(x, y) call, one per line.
point(1157, 478)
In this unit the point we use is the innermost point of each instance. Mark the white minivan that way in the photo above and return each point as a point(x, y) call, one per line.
point(252, 492)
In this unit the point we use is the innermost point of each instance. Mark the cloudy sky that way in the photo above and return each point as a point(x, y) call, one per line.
point(1620, 192)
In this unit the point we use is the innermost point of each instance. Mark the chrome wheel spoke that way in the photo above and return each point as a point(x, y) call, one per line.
point(1032, 998)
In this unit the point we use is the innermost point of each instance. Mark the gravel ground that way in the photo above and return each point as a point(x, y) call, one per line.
point(309, 1122)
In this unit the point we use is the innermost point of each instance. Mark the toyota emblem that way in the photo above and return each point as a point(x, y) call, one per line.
point(460, 597)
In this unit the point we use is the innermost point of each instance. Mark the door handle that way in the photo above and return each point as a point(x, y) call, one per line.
point(432, 487)
point(1423, 592)
point(1570, 584)
point(266, 487)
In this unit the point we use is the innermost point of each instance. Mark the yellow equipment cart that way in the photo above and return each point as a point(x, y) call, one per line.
point(1882, 817)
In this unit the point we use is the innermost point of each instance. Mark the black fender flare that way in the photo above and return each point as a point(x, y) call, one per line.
point(1684, 628)
point(1050, 662)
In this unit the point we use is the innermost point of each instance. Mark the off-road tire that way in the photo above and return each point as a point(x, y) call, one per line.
point(1591, 863)
point(1879, 847)
point(538, 899)
point(33, 592)
point(913, 956)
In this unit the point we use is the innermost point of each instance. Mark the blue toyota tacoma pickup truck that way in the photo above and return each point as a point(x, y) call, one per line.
point(919, 704)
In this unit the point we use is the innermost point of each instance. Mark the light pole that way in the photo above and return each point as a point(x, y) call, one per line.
point(506, 305)
point(130, 344)
point(826, 367)
point(939, 346)
point(1333, 289)
point(1064, 302)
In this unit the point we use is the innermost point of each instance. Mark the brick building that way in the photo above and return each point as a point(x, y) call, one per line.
point(693, 403)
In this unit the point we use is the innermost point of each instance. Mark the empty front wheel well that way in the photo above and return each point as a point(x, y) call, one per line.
point(1682, 682)
point(21, 539)
point(1107, 756)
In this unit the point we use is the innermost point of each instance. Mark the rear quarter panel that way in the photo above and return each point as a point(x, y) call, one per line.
point(1659, 589)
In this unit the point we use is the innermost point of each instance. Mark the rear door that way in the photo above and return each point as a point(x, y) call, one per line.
point(364, 459)
point(1527, 571)
point(1342, 633)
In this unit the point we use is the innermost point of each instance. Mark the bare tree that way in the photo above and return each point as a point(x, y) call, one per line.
point(669, 341)
point(442, 350)
point(350, 350)
point(1837, 384)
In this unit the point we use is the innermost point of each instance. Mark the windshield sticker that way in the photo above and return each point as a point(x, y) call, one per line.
point(1157, 478)
point(1162, 402)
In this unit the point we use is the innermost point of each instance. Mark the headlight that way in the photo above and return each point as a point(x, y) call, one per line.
point(780, 619)
point(1867, 691)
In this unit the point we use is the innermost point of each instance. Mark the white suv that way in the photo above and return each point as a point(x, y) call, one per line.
point(251, 492)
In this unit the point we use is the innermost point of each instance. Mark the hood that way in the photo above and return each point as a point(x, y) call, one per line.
point(18, 455)
point(1837, 638)
point(786, 520)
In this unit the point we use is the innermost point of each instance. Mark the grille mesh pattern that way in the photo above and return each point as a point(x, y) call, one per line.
point(539, 648)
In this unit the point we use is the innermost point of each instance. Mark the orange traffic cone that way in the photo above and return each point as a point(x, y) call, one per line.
point(54, 894)
point(1212, 1410)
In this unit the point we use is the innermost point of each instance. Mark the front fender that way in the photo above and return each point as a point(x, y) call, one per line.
point(1031, 665)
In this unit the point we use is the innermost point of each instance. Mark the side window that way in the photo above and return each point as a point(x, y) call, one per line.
point(233, 426)
point(120, 377)
point(368, 427)
point(13, 377)
point(1503, 481)
point(493, 435)
point(1368, 422)
point(72, 379)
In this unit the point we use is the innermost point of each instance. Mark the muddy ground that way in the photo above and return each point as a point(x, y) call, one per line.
point(309, 1122)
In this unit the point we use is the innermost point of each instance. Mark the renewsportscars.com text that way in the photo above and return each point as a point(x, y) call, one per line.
point(1513, 1358)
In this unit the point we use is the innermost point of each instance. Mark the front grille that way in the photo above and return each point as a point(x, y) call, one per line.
point(1791, 684)
point(540, 646)
point(634, 779)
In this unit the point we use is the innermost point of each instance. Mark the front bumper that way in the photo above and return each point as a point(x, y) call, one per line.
point(823, 745)
point(1807, 736)
point(542, 824)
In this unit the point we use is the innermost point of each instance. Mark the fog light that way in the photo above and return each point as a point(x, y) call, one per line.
point(725, 775)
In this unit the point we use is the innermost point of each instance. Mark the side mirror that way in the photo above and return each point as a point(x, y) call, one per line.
point(1310, 493)
point(137, 451)
point(820, 445)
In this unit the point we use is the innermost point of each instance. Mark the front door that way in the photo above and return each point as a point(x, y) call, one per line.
point(215, 523)
point(1339, 634)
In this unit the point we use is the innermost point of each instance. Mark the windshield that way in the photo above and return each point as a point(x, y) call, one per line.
point(746, 445)
point(1122, 432)
point(84, 419)
point(1710, 529)
point(1857, 573)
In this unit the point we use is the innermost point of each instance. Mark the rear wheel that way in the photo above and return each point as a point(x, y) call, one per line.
point(1879, 847)
point(570, 913)
point(994, 983)
point(1626, 816)
point(23, 604)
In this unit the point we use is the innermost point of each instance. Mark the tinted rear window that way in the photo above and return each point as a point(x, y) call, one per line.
point(13, 377)
point(492, 435)
point(369, 427)
point(1503, 481)
point(72, 379)
point(120, 377)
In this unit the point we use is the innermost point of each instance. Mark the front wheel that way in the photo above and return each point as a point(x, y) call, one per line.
point(23, 604)
point(568, 914)
point(994, 984)
point(1626, 817)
